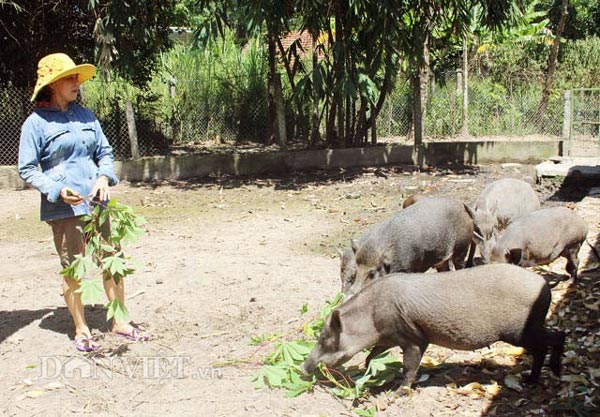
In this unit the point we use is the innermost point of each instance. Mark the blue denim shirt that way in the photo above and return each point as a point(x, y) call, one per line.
point(71, 150)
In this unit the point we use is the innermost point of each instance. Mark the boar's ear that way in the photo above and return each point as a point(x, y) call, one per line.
point(470, 211)
point(384, 264)
point(354, 245)
point(493, 209)
point(384, 268)
point(340, 251)
point(335, 323)
point(515, 255)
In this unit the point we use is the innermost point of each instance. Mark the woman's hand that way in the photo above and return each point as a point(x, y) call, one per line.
point(71, 196)
point(100, 190)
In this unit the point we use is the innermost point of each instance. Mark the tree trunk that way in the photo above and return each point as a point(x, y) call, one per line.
point(271, 44)
point(374, 131)
point(315, 136)
point(420, 80)
point(280, 130)
point(131, 130)
point(552, 62)
point(387, 86)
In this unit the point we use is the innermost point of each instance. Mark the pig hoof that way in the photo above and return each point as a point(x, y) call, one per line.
point(303, 370)
point(402, 391)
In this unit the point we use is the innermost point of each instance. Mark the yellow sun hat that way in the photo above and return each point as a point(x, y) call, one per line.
point(55, 66)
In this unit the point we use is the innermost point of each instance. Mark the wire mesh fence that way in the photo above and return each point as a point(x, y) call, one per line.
point(168, 116)
point(14, 107)
point(493, 110)
point(582, 106)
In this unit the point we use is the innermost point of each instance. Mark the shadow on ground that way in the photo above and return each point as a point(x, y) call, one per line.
point(567, 190)
point(12, 321)
point(54, 319)
point(60, 320)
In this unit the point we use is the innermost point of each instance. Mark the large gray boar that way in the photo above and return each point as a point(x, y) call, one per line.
point(433, 233)
point(467, 309)
point(541, 237)
point(497, 206)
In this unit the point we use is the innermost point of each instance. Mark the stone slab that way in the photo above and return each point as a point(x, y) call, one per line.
point(573, 167)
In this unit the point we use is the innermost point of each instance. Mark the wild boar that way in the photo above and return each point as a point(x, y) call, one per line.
point(434, 233)
point(540, 237)
point(467, 309)
point(497, 206)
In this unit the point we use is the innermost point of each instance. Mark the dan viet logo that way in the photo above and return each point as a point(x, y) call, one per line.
point(142, 367)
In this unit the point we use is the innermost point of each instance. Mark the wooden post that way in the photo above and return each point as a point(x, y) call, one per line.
point(567, 119)
point(133, 138)
point(281, 130)
point(175, 122)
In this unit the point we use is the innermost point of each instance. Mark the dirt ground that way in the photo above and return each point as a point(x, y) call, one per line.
point(226, 259)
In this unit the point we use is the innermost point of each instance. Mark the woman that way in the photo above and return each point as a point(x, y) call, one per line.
point(76, 160)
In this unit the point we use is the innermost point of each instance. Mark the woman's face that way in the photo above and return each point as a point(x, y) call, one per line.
point(65, 89)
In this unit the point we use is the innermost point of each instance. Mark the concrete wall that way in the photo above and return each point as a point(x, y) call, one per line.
point(189, 166)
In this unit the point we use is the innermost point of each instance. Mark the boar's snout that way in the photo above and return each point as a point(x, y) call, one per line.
point(307, 367)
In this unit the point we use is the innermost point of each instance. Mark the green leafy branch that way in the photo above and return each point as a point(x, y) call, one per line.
point(281, 369)
point(102, 256)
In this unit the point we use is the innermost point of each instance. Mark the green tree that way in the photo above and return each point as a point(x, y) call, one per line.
point(257, 17)
point(347, 85)
point(363, 44)
point(186, 13)
point(129, 36)
point(36, 28)
point(442, 21)
point(553, 61)
point(528, 25)
point(122, 36)
point(584, 17)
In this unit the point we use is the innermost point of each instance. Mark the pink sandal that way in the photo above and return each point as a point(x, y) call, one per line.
point(85, 344)
point(135, 335)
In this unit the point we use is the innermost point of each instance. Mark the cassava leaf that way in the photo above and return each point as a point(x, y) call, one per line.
point(116, 310)
point(366, 412)
point(90, 290)
point(270, 375)
point(115, 264)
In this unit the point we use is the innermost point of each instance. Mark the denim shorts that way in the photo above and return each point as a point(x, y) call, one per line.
point(69, 238)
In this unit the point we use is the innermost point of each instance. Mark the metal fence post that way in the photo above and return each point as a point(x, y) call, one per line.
point(133, 138)
point(567, 119)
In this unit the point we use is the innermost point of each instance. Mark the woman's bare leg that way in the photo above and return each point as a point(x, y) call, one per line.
point(75, 306)
point(117, 291)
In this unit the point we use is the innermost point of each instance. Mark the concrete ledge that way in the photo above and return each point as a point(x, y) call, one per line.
point(434, 153)
point(574, 167)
